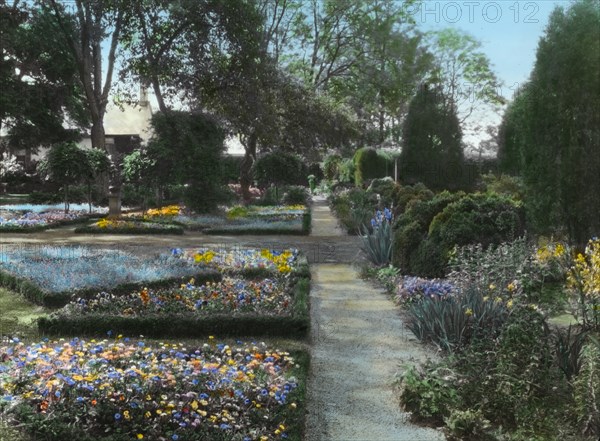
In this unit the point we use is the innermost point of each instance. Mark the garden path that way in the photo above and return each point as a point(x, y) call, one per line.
point(359, 346)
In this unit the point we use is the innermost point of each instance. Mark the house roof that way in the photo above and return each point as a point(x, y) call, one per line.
point(128, 120)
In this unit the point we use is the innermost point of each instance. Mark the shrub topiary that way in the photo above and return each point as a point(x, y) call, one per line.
point(386, 188)
point(295, 195)
point(481, 218)
point(412, 227)
point(369, 164)
point(406, 194)
point(279, 168)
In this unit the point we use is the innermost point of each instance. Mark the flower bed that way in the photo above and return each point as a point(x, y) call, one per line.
point(233, 296)
point(120, 389)
point(21, 221)
point(291, 219)
point(129, 226)
point(263, 293)
point(246, 261)
point(51, 276)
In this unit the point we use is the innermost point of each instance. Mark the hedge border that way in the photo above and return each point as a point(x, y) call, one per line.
point(175, 230)
point(38, 296)
point(296, 325)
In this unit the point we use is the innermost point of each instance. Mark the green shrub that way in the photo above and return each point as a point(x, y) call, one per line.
point(353, 208)
point(451, 219)
point(479, 218)
point(409, 194)
point(369, 164)
point(347, 171)
point(331, 167)
point(505, 185)
point(587, 390)
point(467, 425)
point(429, 395)
point(279, 168)
point(386, 188)
point(411, 229)
point(295, 195)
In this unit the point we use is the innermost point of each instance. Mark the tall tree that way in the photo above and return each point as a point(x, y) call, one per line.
point(464, 73)
point(390, 61)
point(432, 151)
point(557, 140)
point(39, 81)
point(324, 41)
point(96, 22)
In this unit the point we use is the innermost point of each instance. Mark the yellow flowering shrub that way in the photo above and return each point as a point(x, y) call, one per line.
point(583, 278)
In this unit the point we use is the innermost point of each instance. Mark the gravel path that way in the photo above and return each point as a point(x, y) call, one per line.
point(359, 346)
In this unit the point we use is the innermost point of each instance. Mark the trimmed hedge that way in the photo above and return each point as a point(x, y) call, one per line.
point(297, 325)
point(37, 295)
point(370, 164)
point(89, 229)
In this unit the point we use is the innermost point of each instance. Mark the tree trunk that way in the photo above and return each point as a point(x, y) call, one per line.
point(246, 167)
point(114, 175)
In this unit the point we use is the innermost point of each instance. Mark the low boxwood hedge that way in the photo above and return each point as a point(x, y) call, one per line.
point(296, 325)
point(159, 229)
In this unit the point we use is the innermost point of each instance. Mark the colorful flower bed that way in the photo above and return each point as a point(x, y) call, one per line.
point(241, 259)
point(264, 292)
point(122, 389)
point(36, 219)
point(290, 219)
point(129, 226)
point(232, 296)
point(50, 275)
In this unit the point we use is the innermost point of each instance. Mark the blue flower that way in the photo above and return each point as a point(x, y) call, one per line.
point(117, 416)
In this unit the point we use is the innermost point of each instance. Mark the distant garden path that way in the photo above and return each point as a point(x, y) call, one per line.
point(359, 345)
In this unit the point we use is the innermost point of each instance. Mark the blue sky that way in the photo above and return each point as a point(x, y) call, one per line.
point(508, 30)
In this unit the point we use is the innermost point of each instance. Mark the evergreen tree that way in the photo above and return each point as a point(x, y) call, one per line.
point(432, 150)
point(551, 132)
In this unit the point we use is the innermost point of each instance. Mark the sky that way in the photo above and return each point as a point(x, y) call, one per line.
point(508, 30)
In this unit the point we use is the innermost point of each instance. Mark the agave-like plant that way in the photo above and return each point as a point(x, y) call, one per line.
point(378, 239)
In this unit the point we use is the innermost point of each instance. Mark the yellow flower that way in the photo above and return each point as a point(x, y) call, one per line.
point(492, 286)
point(511, 286)
point(469, 312)
point(509, 304)
point(140, 436)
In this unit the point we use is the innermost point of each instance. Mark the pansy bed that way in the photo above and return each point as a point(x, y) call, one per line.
point(52, 276)
point(249, 262)
point(288, 219)
point(29, 218)
point(129, 226)
point(123, 390)
point(262, 293)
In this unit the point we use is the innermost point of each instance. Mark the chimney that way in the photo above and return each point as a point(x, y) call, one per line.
point(143, 95)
